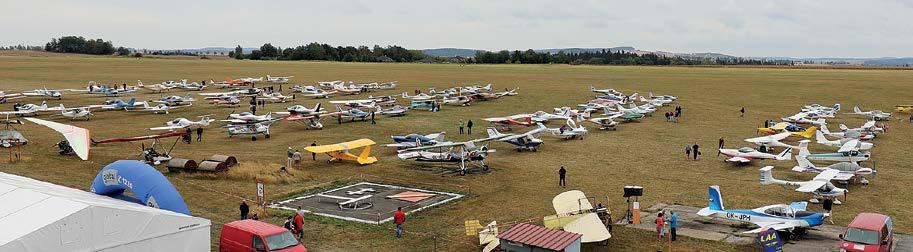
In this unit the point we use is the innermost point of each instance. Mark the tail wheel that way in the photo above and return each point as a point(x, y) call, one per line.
point(267, 136)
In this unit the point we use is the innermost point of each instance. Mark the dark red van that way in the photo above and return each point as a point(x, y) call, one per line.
point(252, 235)
point(869, 232)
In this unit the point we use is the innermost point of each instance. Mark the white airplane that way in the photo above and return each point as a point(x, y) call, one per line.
point(183, 123)
point(745, 155)
point(252, 129)
point(278, 79)
point(868, 127)
point(575, 214)
point(75, 113)
point(330, 84)
point(820, 186)
point(250, 79)
point(634, 109)
point(418, 97)
point(524, 141)
point(848, 170)
point(27, 109)
point(4, 96)
point(311, 91)
point(44, 92)
point(876, 115)
point(821, 139)
point(792, 218)
point(851, 134)
point(772, 141)
point(176, 100)
point(465, 154)
point(301, 110)
point(821, 108)
point(396, 110)
point(460, 100)
point(803, 118)
point(568, 131)
point(346, 90)
point(542, 116)
point(607, 91)
point(605, 123)
point(664, 97)
point(847, 153)
point(365, 104)
point(190, 86)
point(247, 117)
point(276, 97)
point(225, 101)
point(512, 92)
point(159, 109)
point(156, 88)
point(238, 92)
point(656, 102)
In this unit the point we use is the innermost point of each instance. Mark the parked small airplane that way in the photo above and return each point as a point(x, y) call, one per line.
point(506, 122)
point(634, 109)
point(460, 100)
point(276, 97)
point(876, 115)
point(4, 96)
point(253, 129)
point(360, 104)
point(512, 92)
point(605, 123)
point(392, 111)
point(237, 92)
point(847, 153)
point(665, 97)
point(174, 100)
point(225, 101)
point(820, 186)
point(524, 141)
point(794, 130)
point(341, 151)
point(792, 218)
point(416, 140)
point(311, 91)
point(820, 108)
point(351, 114)
point(465, 154)
point(821, 139)
point(312, 119)
point(346, 90)
point(418, 97)
point(250, 79)
point(768, 142)
point(278, 79)
point(44, 92)
point(75, 113)
point(301, 110)
point(27, 109)
point(183, 123)
point(160, 109)
point(907, 109)
point(607, 91)
point(803, 118)
point(568, 131)
point(248, 117)
point(869, 127)
point(190, 86)
point(848, 170)
point(745, 155)
point(156, 88)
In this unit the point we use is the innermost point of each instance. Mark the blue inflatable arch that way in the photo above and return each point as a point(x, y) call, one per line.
point(148, 185)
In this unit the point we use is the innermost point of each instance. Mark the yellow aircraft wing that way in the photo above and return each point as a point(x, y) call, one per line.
point(340, 146)
point(779, 126)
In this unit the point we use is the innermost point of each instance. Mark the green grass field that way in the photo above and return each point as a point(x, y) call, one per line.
point(521, 185)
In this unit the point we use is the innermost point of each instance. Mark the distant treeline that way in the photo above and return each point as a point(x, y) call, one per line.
point(606, 57)
point(317, 51)
point(74, 44)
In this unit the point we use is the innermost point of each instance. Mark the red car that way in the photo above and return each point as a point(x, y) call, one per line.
point(869, 232)
point(253, 235)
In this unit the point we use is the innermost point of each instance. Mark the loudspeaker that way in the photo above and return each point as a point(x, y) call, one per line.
point(634, 191)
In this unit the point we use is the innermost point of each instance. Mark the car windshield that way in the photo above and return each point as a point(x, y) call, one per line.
point(281, 241)
point(861, 236)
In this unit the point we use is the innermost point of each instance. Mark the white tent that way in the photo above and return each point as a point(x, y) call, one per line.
point(40, 216)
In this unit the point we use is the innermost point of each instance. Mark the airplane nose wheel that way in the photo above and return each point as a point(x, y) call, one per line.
point(253, 138)
point(485, 168)
point(267, 136)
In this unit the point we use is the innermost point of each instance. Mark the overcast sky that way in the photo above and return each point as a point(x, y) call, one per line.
point(799, 28)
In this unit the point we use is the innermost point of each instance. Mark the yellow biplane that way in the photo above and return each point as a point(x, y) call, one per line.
point(340, 151)
point(908, 109)
point(791, 128)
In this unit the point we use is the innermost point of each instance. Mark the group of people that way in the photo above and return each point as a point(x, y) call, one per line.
point(662, 220)
point(294, 158)
point(468, 126)
point(187, 137)
point(295, 224)
point(694, 150)
point(673, 116)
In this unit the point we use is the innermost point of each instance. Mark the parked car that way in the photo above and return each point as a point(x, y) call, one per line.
point(254, 235)
point(869, 232)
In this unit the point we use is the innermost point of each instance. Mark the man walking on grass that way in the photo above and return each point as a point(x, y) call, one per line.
point(562, 174)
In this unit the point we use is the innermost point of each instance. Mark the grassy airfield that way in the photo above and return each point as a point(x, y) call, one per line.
point(521, 185)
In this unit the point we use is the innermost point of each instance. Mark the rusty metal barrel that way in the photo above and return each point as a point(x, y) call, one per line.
point(212, 166)
point(180, 164)
point(229, 161)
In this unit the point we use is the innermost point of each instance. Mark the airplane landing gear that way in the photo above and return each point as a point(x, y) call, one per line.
point(253, 138)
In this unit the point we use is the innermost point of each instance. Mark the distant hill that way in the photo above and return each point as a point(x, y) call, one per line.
point(450, 52)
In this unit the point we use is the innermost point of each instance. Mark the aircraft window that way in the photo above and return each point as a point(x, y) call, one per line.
point(776, 211)
point(745, 150)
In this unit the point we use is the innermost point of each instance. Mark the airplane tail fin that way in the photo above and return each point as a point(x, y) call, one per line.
point(803, 148)
point(766, 175)
point(843, 127)
point(651, 94)
point(132, 101)
point(836, 107)
point(802, 164)
point(493, 133)
point(139, 83)
point(785, 155)
point(715, 198)
point(856, 109)
point(824, 129)
point(809, 133)
point(820, 138)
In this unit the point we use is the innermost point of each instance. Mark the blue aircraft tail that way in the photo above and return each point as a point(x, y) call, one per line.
point(715, 198)
point(131, 102)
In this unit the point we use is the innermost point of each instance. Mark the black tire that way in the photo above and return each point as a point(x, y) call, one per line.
point(267, 136)
point(462, 172)
point(253, 138)
point(486, 168)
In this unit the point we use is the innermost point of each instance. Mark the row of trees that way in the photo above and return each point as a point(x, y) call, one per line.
point(74, 44)
point(607, 57)
point(317, 51)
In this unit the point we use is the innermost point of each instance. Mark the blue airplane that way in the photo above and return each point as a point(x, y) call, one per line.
point(120, 104)
point(792, 218)
point(416, 140)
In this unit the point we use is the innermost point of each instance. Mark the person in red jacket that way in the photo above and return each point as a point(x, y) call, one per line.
point(399, 217)
point(299, 224)
point(659, 225)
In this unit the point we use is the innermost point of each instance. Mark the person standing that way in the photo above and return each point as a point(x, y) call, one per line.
point(562, 175)
point(253, 105)
point(299, 224)
point(399, 218)
point(694, 149)
point(742, 112)
point(721, 146)
point(673, 223)
point(200, 134)
point(461, 126)
point(372, 118)
point(314, 155)
point(296, 158)
point(660, 223)
point(687, 151)
point(187, 137)
point(244, 208)
point(288, 156)
point(469, 127)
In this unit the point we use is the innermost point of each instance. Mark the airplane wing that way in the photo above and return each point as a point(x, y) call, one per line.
point(340, 146)
point(811, 186)
point(739, 159)
point(826, 175)
point(868, 124)
point(765, 226)
point(15, 112)
point(588, 224)
point(76, 136)
point(798, 116)
point(167, 128)
point(439, 145)
point(496, 119)
point(849, 146)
